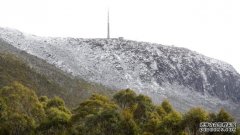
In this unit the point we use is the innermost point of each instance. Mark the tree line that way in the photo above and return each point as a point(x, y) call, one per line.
point(22, 112)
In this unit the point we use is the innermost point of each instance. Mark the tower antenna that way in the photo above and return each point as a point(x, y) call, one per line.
point(108, 26)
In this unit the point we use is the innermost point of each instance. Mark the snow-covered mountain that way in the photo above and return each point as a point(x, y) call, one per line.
point(184, 77)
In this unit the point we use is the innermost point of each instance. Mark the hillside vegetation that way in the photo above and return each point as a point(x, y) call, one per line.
point(51, 83)
point(22, 112)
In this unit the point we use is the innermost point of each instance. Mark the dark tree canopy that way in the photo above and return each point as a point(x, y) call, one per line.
point(22, 112)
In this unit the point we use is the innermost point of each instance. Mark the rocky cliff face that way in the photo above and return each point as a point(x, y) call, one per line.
point(185, 77)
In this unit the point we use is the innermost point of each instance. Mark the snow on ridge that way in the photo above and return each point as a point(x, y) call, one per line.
point(18, 38)
point(145, 67)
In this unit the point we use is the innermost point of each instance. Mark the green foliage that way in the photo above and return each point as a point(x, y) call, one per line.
point(167, 107)
point(56, 122)
point(57, 117)
point(161, 112)
point(23, 113)
point(19, 124)
point(94, 105)
point(22, 100)
point(144, 106)
point(125, 98)
point(105, 123)
point(22, 109)
point(171, 124)
point(238, 131)
point(223, 116)
point(55, 102)
point(45, 79)
point(146, 133)
point(193, 118)
point(3, 107)
point(89, 110)
point(130, 127)
point(43, 99)
point(145, 114)
point(212, 117)
point(152, 122)
point(14, 69)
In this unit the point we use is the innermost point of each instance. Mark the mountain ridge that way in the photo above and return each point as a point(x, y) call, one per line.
point(185, 77)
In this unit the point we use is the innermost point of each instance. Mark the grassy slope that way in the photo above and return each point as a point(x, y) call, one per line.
point(44, 78)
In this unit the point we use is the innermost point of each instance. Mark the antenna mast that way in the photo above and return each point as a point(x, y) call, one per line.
point(108, 27)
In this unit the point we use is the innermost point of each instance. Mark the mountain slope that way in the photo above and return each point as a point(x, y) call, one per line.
point(45, 79)
point(185, 77)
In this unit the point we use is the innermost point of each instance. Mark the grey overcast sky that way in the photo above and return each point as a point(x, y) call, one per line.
point(211, 27)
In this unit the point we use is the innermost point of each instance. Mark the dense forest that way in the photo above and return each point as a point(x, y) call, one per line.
point(22, 112)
